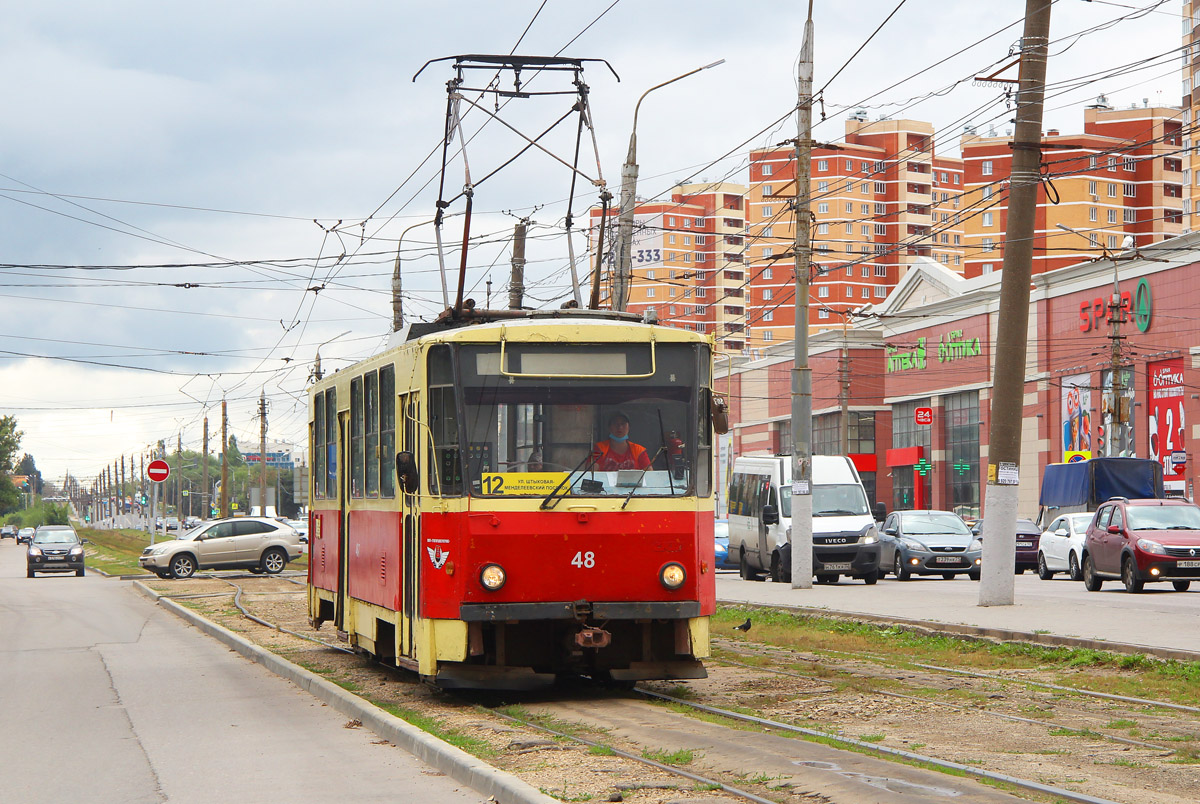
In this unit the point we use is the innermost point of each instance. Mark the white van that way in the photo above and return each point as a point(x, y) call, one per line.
point(845, 536)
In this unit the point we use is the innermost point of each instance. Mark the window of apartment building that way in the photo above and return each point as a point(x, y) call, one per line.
point(767, 168)
point(954, 201)
point(880, 188)
point(1112, 216)
point(687, 292)
point(1092, 187)
point(881, 229)
point(767, 212)
point(687, 256)
point(880, 248)
point(768, 273)
point(849, 164)
point(823, 292)
point(1131, 215)
point(958, 240)
point(944, 258)
point(849, 208)
point(880, 270)
point(823, 208)
point(988, 219)
point(650, 273)
point(671, 239)
point(880, 292)
point(701, 292)
point(866, 166)
point(1112, 164)
point(1092, 162)
point(687, 240)
point(687, 223)
point(865, 271)
point(986, 167)
point(769, 315)
point(1130, 164)
point(849, 292)
point(823, 248)
point(849, 270)
point(989, 244)
point(822, 164)
point(1112, 190)
point(866, 293)
point(958, 259)
point(866, 188)
point(699, 222)
point(1094, 239)
point(768, 335)
point(879, 167)
point(822, 228)
point(767, 190)
point(880, 209)
point(1091, 213)
point(849, 248)
point(670, 221)
point(849, 227)
point(987, 268)
point(671, 310)
point(865, 209)
point(766, 232)
point(768, 251)
point(945, 238)
point(767, 294)
point(822, 313)
point(649, 293)
point(1112, 241)
point(701, 257)
point(1130, 189)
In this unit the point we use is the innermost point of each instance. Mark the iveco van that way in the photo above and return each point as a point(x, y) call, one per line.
point(845, 538)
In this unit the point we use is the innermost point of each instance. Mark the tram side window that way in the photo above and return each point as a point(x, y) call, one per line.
point(445, 476)
point(387, 431)
point(357, 451)
point(317, 439)
point(371, 390)
point(331, 444)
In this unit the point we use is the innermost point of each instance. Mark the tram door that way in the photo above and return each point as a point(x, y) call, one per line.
point(339, 611)
point(409, 440)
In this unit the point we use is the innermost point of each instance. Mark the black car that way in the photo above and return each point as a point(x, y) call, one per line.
point(55, 548)
point(8, 532)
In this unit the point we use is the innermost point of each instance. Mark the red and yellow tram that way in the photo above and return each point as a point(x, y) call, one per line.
point(462, 528)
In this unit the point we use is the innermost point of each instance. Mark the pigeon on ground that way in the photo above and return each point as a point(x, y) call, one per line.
point(743, 627)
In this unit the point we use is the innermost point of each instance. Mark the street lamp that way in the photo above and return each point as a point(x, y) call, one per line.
point(396, 306)
point(629, 174)
point(317, 362)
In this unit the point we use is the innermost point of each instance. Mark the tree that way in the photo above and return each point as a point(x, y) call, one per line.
point(234, 455)
point(10, 442)
point(28, 467)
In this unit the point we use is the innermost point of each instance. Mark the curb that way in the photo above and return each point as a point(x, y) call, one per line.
point(981, 632)
point(454, 762)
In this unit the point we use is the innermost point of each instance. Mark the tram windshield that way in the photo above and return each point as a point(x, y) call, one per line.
point(550, 420)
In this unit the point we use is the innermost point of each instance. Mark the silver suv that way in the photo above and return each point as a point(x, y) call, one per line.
point(254, 543)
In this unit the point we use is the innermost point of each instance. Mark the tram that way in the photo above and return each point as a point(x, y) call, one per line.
point(462, 525)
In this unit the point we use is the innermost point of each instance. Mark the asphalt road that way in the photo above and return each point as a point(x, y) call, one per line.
point(105, 697)
point(1159, 617)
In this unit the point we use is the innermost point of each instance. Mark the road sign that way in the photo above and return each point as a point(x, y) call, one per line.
point(158, 471)
point(923, 415)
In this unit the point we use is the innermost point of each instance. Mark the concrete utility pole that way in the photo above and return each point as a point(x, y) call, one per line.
point(205, 505)
point(1008, 383)
point(516, 287)
point(262, 453)
point(802, 558)
point(224, 459)
point(844, 393)
point(1120, 412)
point(179, 475)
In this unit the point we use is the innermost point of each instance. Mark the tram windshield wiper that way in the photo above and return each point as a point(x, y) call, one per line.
point(642, 475)
point(581, 467)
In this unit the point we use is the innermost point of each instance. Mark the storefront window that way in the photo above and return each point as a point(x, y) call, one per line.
point(961, 422)
point(907, 433)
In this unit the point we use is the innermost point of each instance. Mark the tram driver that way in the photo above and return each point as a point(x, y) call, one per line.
point(617, 452)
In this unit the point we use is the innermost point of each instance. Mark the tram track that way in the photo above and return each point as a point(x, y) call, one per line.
point(782, 781)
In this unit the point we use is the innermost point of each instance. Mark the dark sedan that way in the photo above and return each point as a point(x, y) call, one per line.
point(55, 548)
point(1029, 537)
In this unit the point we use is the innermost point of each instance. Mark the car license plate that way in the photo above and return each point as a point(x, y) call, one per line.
point(842, 566)
point(55, 558)
point(947, 560)
point(1024, 544)
point(1188, 564)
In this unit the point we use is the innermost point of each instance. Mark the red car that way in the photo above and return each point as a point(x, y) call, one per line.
point(1140, 541)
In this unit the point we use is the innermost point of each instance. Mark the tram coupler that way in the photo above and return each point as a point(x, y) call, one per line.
point(591, 637)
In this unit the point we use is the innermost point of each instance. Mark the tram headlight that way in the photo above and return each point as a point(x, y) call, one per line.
point(672, 575)
point(492, 577)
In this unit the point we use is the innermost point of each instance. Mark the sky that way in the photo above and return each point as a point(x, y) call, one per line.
point(195, 199)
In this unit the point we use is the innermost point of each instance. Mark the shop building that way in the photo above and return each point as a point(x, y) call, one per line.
point(912, 377)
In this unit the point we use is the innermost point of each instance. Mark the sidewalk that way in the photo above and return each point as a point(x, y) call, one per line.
point(1160, 621)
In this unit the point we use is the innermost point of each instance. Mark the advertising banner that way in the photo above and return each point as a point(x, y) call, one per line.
point(1076, 422)
point(1116, 419)
point(1166, 420)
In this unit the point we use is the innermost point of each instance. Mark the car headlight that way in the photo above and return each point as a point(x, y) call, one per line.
point(672, 575)
point(913, 544)
point(76, 551)
point(869, 535)
point(976, 544)
point(35, 551)
point(492, 577)
point(1149, 546)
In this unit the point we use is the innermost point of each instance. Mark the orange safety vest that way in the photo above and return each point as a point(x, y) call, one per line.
point(635, 458)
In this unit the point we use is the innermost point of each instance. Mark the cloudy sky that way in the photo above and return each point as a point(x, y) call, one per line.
point(176, 179)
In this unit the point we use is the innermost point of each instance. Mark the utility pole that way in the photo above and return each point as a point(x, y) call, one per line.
point(1112, 445)
point(179, 475)
point(225, 459)
point(142, 486)
point(802, 559)
point(516, 287)
point(115, 492)
point(205, 505)
point(1008, 383)
point(262, 454)
point(121, 491)
point(844, 393)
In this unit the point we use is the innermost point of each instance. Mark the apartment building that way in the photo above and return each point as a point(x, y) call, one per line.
point(1190, 114)
point(1122, 176)
point(880, 199)
point(687, 259)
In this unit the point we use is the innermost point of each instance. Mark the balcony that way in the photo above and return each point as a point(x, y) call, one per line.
point(918, 209)
point(921, 189)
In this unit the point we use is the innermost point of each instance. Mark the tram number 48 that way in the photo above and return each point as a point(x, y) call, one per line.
point(584, 560)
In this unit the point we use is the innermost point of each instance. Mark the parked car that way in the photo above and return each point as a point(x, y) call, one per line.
point(1061, 546)
point(1140, 541)
point(25, 535)
point(55, 548)
point(8, 532)
point(172, 523)
point(254, 543)
point(191, 522)
point(721, 534)
point(929, 543)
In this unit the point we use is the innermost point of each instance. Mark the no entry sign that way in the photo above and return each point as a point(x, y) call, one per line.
point(158, 471)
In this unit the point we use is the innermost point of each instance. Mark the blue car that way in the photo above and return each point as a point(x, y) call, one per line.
point(721, 531)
